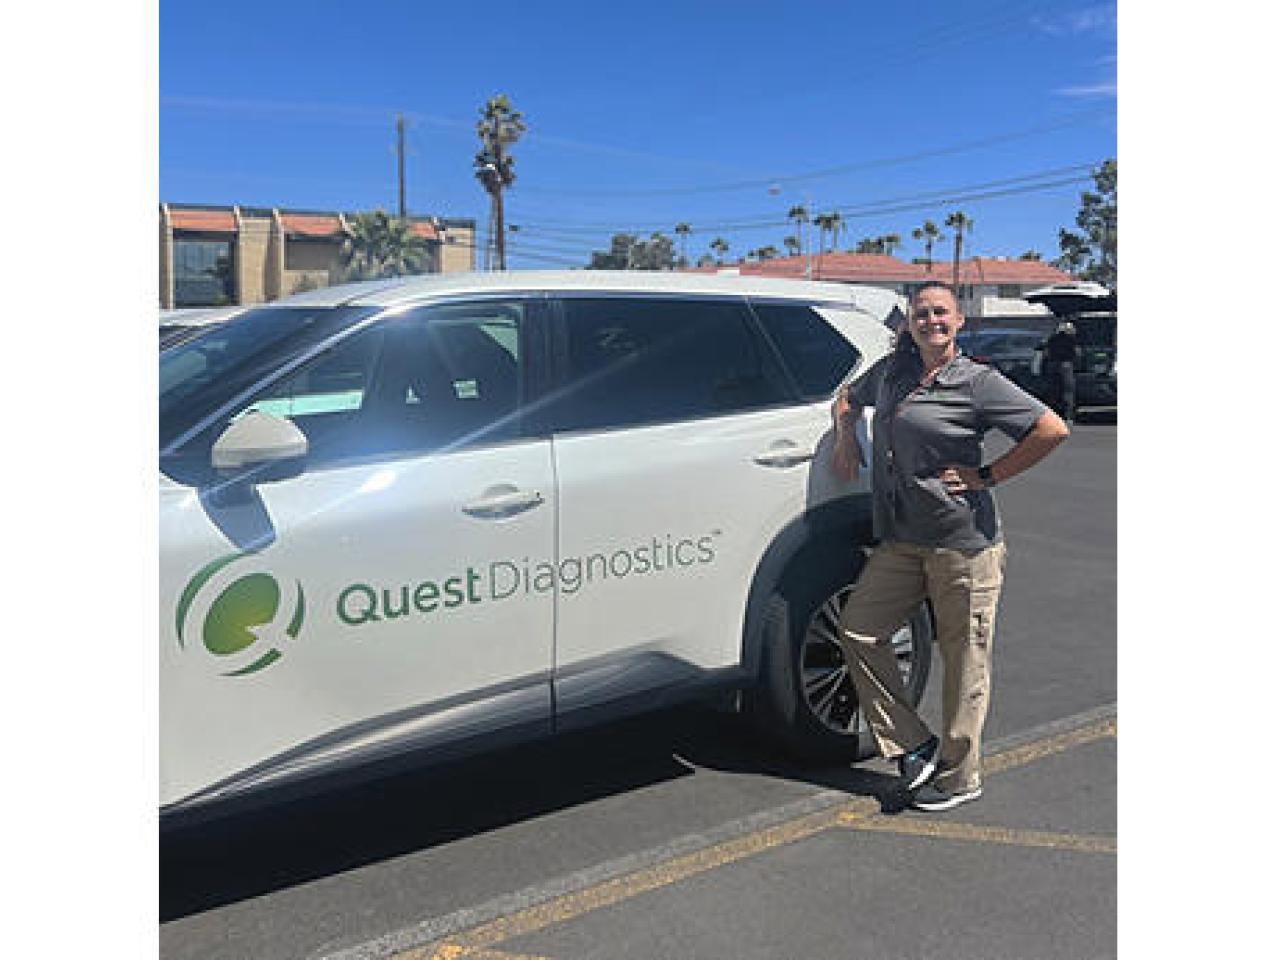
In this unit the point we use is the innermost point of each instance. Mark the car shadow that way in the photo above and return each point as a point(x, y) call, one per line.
point(254, 853)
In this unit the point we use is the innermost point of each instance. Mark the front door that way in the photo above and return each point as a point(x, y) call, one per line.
point(370, 602)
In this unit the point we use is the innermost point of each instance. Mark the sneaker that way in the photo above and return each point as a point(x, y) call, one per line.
point(932, 797)
point(917, 766)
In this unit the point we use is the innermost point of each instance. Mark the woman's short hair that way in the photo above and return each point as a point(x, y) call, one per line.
point(936, 285)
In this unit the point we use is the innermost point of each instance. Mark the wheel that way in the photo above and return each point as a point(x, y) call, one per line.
point(805, 699)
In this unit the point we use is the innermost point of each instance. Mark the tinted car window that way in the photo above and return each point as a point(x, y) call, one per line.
point(634, 361)
point(816, 355)
point(440, 377)
point(204, 374)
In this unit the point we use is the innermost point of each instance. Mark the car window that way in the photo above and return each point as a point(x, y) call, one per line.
point(817, 356)
point(440, 377)
point(640, 360)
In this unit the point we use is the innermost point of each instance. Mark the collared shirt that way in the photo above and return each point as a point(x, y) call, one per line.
point(918, 430)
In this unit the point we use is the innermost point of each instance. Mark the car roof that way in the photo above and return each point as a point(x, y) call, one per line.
point(385, 293)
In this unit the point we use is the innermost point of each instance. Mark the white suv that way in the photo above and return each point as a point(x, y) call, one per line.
point(414, 517)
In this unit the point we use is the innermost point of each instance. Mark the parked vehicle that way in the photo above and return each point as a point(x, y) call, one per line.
point(1015, 352)
point(1091, 307)
point(419, 517)
point(187, 323)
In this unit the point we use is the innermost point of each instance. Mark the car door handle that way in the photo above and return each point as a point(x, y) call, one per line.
point(784, 453)
point(502, 501)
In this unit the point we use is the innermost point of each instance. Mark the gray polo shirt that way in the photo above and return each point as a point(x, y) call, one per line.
point(918, 430)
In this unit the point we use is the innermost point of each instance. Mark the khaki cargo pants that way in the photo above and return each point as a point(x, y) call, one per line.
point(964, 589)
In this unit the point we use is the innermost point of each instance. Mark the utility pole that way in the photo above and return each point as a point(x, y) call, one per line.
point(499, 226)
point(400, 155)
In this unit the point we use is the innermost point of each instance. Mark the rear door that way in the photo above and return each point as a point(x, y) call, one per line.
point(681, 448)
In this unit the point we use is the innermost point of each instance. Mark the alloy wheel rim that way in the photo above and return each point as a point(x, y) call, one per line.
point(828, 688)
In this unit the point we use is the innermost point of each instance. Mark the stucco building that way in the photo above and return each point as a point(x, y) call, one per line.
point(988, 287)
point(213, 255)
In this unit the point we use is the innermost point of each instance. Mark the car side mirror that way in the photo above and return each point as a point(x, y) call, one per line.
point(260, 448)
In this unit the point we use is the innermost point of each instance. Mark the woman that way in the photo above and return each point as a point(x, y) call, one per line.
point(939, 536)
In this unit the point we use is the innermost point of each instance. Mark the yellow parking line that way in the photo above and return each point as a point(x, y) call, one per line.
point(1020, 756)
point(623, 888)
point(862, 813)
point(950, 830)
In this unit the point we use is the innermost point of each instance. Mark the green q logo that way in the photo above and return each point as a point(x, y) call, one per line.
point(240, 623)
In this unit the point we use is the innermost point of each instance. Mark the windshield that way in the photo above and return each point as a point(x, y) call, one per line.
point(199, 376)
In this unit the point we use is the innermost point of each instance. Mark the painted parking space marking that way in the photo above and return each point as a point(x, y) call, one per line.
point(951, 830)
point(475, 933)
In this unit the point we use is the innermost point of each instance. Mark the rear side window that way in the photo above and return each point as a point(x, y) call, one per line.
point(636, 361)
point(816, 355)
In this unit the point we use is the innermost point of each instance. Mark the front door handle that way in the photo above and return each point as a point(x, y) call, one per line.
point(784, 453)
point(503, 500)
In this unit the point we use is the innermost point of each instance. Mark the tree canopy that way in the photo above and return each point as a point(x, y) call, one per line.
point(1091, 253)
point(629, 252)
point(380, 245)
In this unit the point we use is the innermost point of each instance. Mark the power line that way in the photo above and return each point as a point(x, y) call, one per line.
point(569, 229)
point(762, 182)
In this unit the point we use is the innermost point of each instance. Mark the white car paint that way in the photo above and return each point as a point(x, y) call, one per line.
point(706, 497)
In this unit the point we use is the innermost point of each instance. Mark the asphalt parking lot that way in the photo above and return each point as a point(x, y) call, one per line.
point(678, 835)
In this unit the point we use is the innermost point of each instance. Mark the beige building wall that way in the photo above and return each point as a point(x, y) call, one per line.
point(254, 282)
point(457, 249)
point(309, 264)
point(166, 259)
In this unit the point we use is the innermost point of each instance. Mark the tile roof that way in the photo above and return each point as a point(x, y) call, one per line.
point(310, 225)
point(877, 267)
point(425, 230)
point(209, 221)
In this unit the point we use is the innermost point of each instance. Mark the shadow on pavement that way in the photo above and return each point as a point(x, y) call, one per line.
point(251, 854)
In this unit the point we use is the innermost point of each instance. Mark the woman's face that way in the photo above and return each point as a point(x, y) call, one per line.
point(935, 320)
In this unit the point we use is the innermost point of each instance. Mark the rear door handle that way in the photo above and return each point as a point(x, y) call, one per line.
point(784, 453)
point(502, 500)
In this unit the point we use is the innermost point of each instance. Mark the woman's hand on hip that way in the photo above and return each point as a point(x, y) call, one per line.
point(959, 479)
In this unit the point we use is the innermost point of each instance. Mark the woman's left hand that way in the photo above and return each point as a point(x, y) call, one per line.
point(960, 479)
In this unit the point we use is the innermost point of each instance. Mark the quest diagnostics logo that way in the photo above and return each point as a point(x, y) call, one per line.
point(238, 615)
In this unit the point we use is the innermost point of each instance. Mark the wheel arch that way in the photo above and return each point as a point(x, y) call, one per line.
point(830, 534)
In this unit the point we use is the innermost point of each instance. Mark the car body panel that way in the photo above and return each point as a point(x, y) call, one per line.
point(377, 614)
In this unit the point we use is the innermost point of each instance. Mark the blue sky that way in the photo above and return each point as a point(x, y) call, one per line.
point(641, 116)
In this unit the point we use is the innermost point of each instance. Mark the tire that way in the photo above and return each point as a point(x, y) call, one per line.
point(823, 723)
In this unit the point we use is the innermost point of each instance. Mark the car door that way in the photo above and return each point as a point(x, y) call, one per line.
point(680, 451)
point(366, 604)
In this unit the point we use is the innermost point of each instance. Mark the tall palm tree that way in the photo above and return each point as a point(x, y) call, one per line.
point(958, 222)
point(720, 246)
point(800, 214)
point(500, 126)
point(682, 230)
point(928, 232)
point(767, 253)
point(870, 245)
point(792, 244)
point(380, 245)
point(890, 242)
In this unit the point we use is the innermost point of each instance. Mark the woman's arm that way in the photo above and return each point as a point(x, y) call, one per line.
point(1048, 432)
point(846, 454)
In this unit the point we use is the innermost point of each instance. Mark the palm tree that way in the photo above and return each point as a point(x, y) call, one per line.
point(792, 244)
point(890, 242)
point(682, 230)
point(870, 245)
point(959, 223)
point(928, 232)
point(767, 253)
point(380, 245)
point(835, 223)
point(500, 126)
point(800, 214)
point(720, 246)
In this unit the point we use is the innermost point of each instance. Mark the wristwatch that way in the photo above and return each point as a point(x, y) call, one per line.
point(985, 473)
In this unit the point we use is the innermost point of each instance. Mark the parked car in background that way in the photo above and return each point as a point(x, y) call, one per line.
point(1014, 352)
point(410, 518)
point(1091, 308)
point(186, 323)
